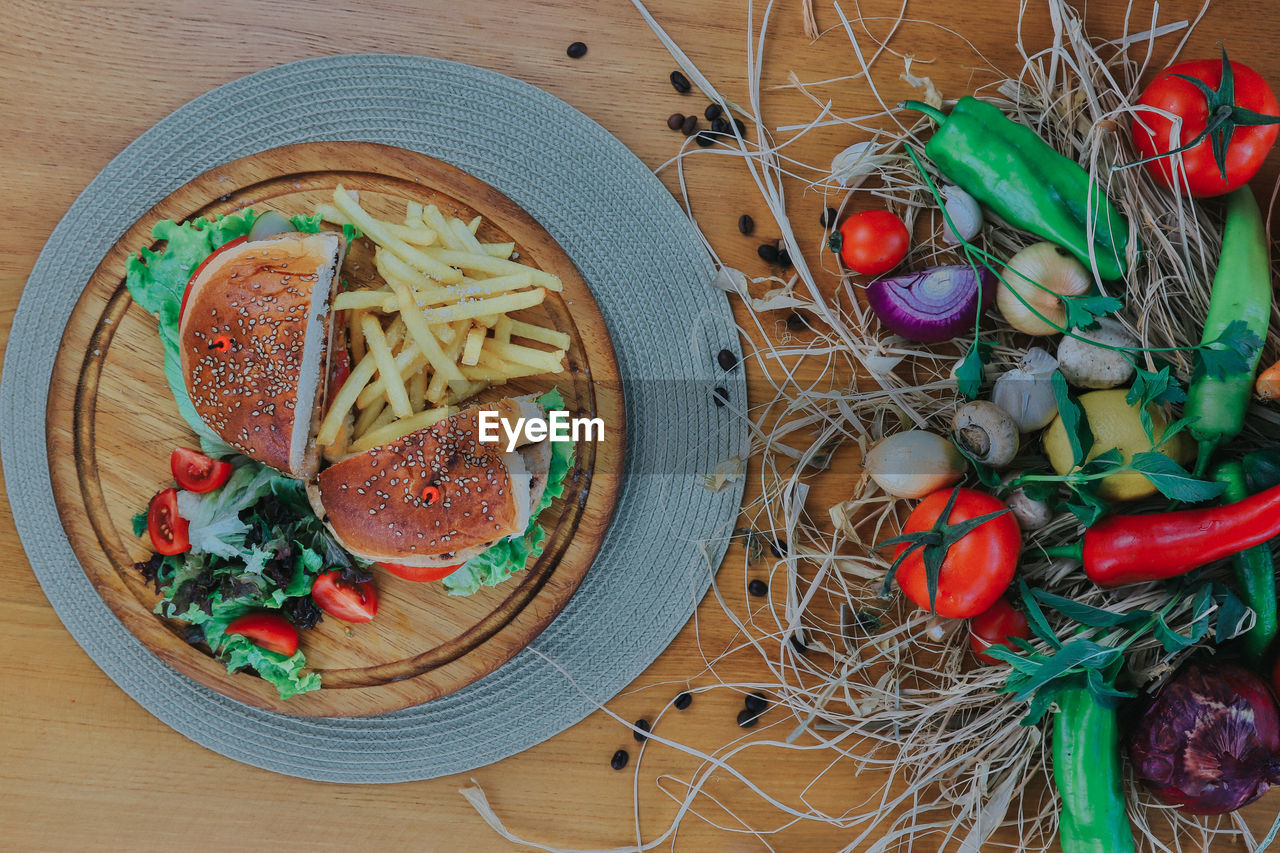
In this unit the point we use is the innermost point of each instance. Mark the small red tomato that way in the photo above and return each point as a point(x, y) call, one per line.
point(420, 573)
point(167, 529)
point(346, 601)
point(977, 569)
point(994, 626)
point(183, 306)
point(271, 631)
point(196, 472)
point(873, 242)
point(1247, 146)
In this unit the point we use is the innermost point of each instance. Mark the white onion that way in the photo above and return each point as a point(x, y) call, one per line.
point(1039, 274)
point(914, 463)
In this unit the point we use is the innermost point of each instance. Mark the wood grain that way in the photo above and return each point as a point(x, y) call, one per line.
point(82, 767)
point(107, 412)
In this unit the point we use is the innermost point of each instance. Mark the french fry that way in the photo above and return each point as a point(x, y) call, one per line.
point(466, 240)
point(453, 398)
point(413, 212)
point(438, 223)
point(417, 386)
point(384, 417)
point(540, 334)
point(355, 337)
point(366, 300)
point(502, 330)
point(550, 362)
point(384, 433)
point(474, 225)
point(496, 373)
point(436, 389)
point(429, 292)
point(397, 397)
point(493, 266)
point(408, 361)
point(471, 349)
point(417, 323)
point(365, 421)
point(345, 399)
point(488, 320)
point(498, 250)
point(411, 255)
point(413, 231)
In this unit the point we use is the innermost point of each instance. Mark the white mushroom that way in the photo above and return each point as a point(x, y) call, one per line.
point(1089, 366)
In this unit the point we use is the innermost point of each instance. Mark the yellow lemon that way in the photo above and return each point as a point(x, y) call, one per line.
point(1116, 424)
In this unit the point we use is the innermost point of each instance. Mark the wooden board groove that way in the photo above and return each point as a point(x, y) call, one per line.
point(109, 403)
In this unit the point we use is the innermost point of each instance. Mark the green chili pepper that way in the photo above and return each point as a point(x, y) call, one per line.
point(1241, 293)
point(1087, 771)
point(1010, 169)
point(1255, 571)
point(1261, 470)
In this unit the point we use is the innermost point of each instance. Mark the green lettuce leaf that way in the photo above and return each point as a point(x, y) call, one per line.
point(214, 517)
point(511, 555)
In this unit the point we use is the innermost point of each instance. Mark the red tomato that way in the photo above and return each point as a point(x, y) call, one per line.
point(339, 368)
point(420, 573)
point(1248, 145)
point(994, 626)
point(227, 245)
point(345, 601)
point(873, 242)
point(167, 529)
point(977, 569)
point(271, 631)
point(196, 472)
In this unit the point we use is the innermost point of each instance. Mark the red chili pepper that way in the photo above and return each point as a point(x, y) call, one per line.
point(1135, 548)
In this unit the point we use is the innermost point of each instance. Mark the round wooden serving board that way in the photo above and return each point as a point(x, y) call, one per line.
point(112, 423)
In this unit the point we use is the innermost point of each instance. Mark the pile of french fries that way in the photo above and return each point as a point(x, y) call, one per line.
point(437, 332)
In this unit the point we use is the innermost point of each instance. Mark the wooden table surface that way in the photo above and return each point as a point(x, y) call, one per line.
point(82, 766)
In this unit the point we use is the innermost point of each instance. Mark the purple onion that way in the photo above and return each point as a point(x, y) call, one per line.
point(1209, 742)
point(934, 304)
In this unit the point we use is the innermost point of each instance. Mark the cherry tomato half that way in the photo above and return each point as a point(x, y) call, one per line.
point(994, 626)
point(167, 529)
point(420, 573)
point(872, 242)
point(271, 631)
point(227, 245)
point(196, 472)
point(977, 569)
point(346, 601)
point(1246, 149)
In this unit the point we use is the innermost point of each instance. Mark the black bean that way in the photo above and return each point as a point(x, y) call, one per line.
point(741, 126)
point(705, 138)
point(690, 125)
point(798, 644)
point(768, 252)
point(721, 126)
point(758, 588)
point(828, 217)
point(684, 700)
point(619, 759)
point(713, 112)
point(795, 322)
point(644, 727)
point(746, 719)
point(757, 703)
point(721, 396)
point(680, 82)
point(675, 121)
point(726, 360)
point(784, 258)
point(776, 547)
point(577, 50)
point(746, 224)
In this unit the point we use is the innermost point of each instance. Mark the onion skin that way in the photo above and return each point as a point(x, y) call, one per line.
point(1209, 742)
point(932, 305)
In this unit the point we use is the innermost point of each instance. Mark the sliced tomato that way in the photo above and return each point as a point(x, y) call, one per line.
point(339, 367)
point(271, 631)
point(196, 472)
point(995, 626)
point(182, 309)
point(167, 529)
point(420, 573)
point(346, 601)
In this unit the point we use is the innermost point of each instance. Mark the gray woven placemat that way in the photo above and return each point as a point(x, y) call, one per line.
point(645, 266)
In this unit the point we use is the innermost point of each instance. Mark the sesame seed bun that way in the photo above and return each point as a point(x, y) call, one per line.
point(253, 339)
point(383, 506)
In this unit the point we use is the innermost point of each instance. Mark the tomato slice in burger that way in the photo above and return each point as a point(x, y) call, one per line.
point(227, 245)
point(350, 602)
point(420, 573)
point(196, 472)
point(167, 529)
point(271, 631)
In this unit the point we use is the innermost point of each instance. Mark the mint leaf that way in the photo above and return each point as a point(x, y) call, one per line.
point(969, 375)
point(1154, 388)
point(140, 523)
point(1078, 433)
point(1173, 480)
point(1086, 504)
point(1236, 350)
point(1083, 311)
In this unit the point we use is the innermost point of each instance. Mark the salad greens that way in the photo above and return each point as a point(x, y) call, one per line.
point(511, 555)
